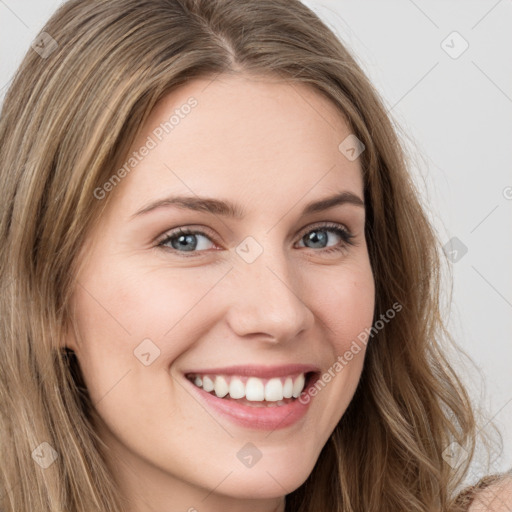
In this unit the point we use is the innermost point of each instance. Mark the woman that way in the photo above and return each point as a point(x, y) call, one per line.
point(220, 287)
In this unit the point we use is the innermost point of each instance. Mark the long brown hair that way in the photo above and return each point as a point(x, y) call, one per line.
point(74, 107)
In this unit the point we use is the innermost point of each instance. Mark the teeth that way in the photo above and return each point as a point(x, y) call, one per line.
point(207, 384)
point(288, 388)
point(273, 390)
point(236, 388)
point(298, 385)
point(254, 390)
point(221, 386)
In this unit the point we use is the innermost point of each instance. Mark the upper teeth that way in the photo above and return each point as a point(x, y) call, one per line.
point(252, 388)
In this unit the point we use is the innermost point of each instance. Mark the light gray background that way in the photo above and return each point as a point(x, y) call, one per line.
point(455, 116)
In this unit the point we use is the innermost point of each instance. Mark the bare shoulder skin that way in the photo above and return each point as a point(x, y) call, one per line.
point(497, 497)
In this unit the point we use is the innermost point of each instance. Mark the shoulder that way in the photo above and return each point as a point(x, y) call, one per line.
point(495, 497)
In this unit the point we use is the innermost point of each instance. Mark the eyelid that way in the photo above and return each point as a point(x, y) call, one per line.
point(195, 229)
point(325, 225)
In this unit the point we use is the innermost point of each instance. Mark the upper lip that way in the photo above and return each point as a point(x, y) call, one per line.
point(264, 372)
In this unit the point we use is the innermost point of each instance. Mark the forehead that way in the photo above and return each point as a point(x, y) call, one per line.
point(251, 137)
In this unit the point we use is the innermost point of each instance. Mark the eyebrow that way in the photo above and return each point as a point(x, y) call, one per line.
point(236, 211)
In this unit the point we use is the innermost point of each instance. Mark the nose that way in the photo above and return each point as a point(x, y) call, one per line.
point(267, 300)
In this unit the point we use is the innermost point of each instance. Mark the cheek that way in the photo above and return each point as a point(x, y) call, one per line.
point(119, 307)
point(345, 308)
point(345, 303)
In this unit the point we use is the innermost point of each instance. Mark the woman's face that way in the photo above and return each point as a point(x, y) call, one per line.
point(245, 303)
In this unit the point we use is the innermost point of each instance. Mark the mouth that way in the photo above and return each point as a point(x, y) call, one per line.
point(254, 402)
point(254, 391)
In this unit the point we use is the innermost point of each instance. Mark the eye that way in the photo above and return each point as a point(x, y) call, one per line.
point(318, 236)
point(185, 240)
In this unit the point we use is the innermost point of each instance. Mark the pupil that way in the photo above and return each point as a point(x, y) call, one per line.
point(182, 240)
point(314, 236)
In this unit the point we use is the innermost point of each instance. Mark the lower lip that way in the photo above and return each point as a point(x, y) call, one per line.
point(260, 418)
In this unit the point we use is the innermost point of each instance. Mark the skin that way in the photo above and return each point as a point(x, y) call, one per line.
point(273, 148)
point(495, 498)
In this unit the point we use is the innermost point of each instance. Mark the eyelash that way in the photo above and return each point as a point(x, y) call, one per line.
point(343, 233)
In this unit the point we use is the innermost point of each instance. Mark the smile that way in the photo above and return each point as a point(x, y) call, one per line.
point(254, 402)
point(252, 389)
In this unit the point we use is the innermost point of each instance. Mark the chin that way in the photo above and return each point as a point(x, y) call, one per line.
point(270, 481)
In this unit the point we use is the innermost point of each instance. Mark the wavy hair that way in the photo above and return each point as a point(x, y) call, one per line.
point(68, 119)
